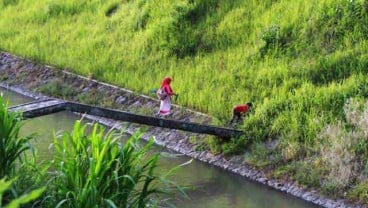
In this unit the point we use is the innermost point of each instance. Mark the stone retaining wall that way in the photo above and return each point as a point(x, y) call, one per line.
point(26, 77)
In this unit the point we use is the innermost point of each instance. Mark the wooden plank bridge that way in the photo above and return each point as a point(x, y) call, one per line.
point(49, 106)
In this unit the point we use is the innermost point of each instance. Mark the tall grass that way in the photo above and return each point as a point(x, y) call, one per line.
point(344, 148)
point(17, 187)
point(229, 52)
point(96, 170)
point(12, 145)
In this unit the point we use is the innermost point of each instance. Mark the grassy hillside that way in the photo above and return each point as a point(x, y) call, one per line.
point(298, 61)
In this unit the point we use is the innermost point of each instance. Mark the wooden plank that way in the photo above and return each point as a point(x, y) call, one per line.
point(45, 107)
point(39, 108)
point(29, 103)
point(153, 121)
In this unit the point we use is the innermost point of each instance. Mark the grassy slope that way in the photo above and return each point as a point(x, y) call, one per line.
point(298, 61)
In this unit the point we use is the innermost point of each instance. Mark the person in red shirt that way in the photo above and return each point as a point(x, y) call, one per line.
point(239, 111)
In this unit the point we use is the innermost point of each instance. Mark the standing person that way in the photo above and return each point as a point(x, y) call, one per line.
point(239, 111)
point(164, 94)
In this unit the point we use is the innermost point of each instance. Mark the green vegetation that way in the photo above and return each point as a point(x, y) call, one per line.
point(344, 151)
point(298, 61)
point(97, 171)
point(15, 188)
point(88, 169)
point(24, 199)
point(58, 89)
point(12, 146)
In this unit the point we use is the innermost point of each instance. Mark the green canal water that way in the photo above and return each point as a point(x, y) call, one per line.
point(212, 187)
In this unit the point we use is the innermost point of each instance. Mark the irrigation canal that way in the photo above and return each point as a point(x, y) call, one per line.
point(212, 187)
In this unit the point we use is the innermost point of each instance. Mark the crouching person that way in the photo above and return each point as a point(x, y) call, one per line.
point(240, 111)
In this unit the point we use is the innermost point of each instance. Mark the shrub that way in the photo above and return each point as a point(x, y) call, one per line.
point(338, 154)
point(14, 161)
point(271, 36)
point(333, 187)
point(307, 174)
point(275, 38)
point(95, 170)
point(343, 146)
point(260, 155)
point(282, 171)
point(360, 193)
point(235, 145)
point(12, 145)
point(290, 150)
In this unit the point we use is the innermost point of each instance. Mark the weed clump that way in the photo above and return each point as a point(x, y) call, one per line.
point(59, 89)
point(95, 169)
point(344, 148)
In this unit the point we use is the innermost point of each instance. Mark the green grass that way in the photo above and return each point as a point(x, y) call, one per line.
point(293, 59)
point(297, 61)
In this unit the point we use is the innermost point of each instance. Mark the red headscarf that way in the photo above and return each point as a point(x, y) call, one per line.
point(166, 85)
point(166, 81)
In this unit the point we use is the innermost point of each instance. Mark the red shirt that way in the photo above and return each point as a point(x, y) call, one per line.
point(241, 108)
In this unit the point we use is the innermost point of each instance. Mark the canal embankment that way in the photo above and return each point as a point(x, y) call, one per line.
point(41, 81)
